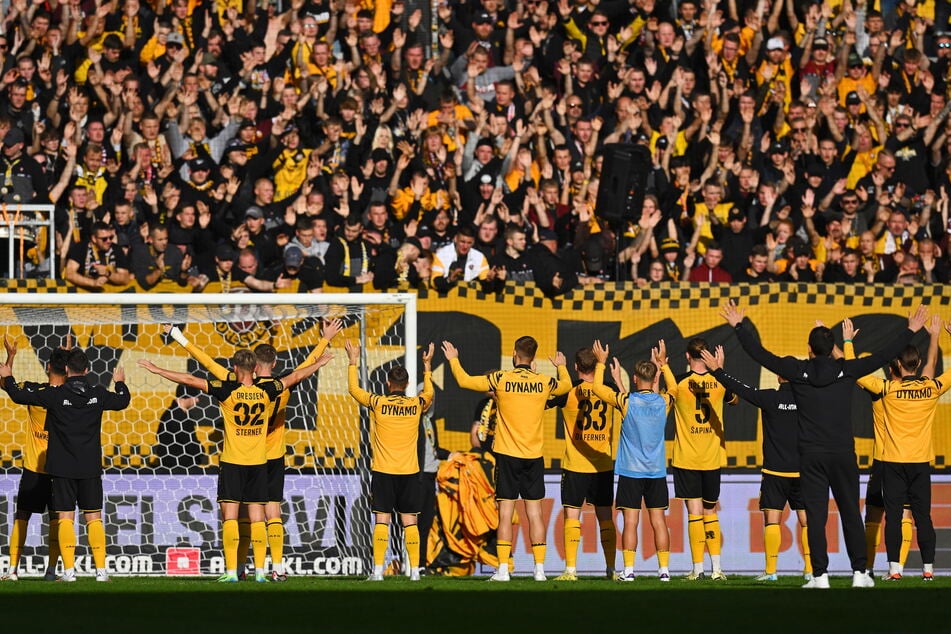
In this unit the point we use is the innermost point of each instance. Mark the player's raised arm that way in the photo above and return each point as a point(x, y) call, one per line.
point(564, 379)
point(182, 378)
point(934, 329)
point(121, 398)
point(300, 374)
point(602, 391)
point(869, 364)
point(353, 377)
point(330, 329)
point(10, 345)
point(465, 381)
point(428, 391)
point(217, 370)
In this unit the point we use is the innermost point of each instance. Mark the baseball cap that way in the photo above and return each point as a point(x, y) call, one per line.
point(290, 128)
point(577, 166)
point(777, 148)
point(642, 137)
point(175, 38)
point(14, 136)
point(413, 240)
point(247, 123)
point(254, 212)
point(482, 18)
point(736, 214)
point(669, 244)
point(236, 145)
point(486, 178)
point(293, 257)
point(855, 60)
point(853, 99)
point(820, 42)
point(197, 164)
point(209, 58)
point(775, 44)
point(225, 252)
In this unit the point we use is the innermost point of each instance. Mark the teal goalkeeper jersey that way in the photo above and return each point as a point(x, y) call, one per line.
point(641, 451)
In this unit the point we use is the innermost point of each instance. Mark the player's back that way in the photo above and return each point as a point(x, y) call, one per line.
point(395, 427)
point(642, 451)
point(699, 441)
point(244, 410)
point(37, 442)
point(589, 430)
point(521, 394)
point(910, 406)
point(276, 422)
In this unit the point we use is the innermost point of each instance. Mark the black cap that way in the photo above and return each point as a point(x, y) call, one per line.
point(293, 257)
point(236, 145)
point(225, 252)
point(777, 148)
point(254, 212)
point(14, 136)
point(413, 240)
point(855, 60)
point(577, 166)
point(482, 18)
point(853, 99)
point(247, 123)
point(736, 214)
point(199, 163)
point(380, 154)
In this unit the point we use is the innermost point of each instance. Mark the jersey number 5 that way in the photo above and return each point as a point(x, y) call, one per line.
point(703, 407)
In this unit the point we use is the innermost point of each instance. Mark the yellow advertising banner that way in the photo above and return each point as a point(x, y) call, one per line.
point(175, 430)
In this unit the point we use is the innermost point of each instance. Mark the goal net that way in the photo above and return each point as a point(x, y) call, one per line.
point(160, 455)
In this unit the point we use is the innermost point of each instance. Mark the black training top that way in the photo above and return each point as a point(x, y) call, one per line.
point(74, 422)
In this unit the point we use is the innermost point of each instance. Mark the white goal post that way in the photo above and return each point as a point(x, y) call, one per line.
point(159, 455)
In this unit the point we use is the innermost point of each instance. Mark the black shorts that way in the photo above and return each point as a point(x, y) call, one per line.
point(631, 491)
point(35, 493)
point(595, 488)
point(246, 484)
point(873, 490)
point(70, 492)
point(519, 477)
point(401, 493)
point(775, 491)
point(694, 484)
point(275, 480)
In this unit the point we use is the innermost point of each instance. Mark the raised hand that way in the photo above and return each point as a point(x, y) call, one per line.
point(353, 352)
point(709, 360)
point(600, 351)
point(731, 313)
point(449, 351)
point(428, 356)
point(659, 354)
point(330, 328)
point(848, 329)
point(918, 319)
point(559, 359)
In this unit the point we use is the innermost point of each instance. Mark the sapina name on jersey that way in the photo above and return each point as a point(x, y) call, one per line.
point(399, 410)
point(520, 387)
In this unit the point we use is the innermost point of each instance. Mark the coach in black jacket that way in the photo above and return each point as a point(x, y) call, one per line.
point(822, 386)
point(74, 456)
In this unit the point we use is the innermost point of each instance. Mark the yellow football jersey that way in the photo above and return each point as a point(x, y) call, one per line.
point(521, 394)
point(589, 431)
point(394, 424)
point(34, 453)
point(699, 440)
point(244, 409)
point(910, 406)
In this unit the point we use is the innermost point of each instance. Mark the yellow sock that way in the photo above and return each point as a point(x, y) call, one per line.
point(229, 543)
point(96, 534)
point(663, 558)
point(259, 544)
point(608, 542)
point(538, 551)
point(381, 541)
point(629, 556)
point(67, 543)
point(275, 541)
point(54, 543)
point(244, 541)
point(504, 550)
point(17, 540)
point(772, 539)
point(572, 539)
point(873, 536)
point(807, 567)
point(907, 527)
point(698, 540)
point(711, 533)
point(411, 534)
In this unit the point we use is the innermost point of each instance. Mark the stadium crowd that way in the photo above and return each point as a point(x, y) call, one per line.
point(396, 143)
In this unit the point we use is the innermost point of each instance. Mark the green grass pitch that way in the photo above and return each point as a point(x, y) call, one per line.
point(179, 606)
